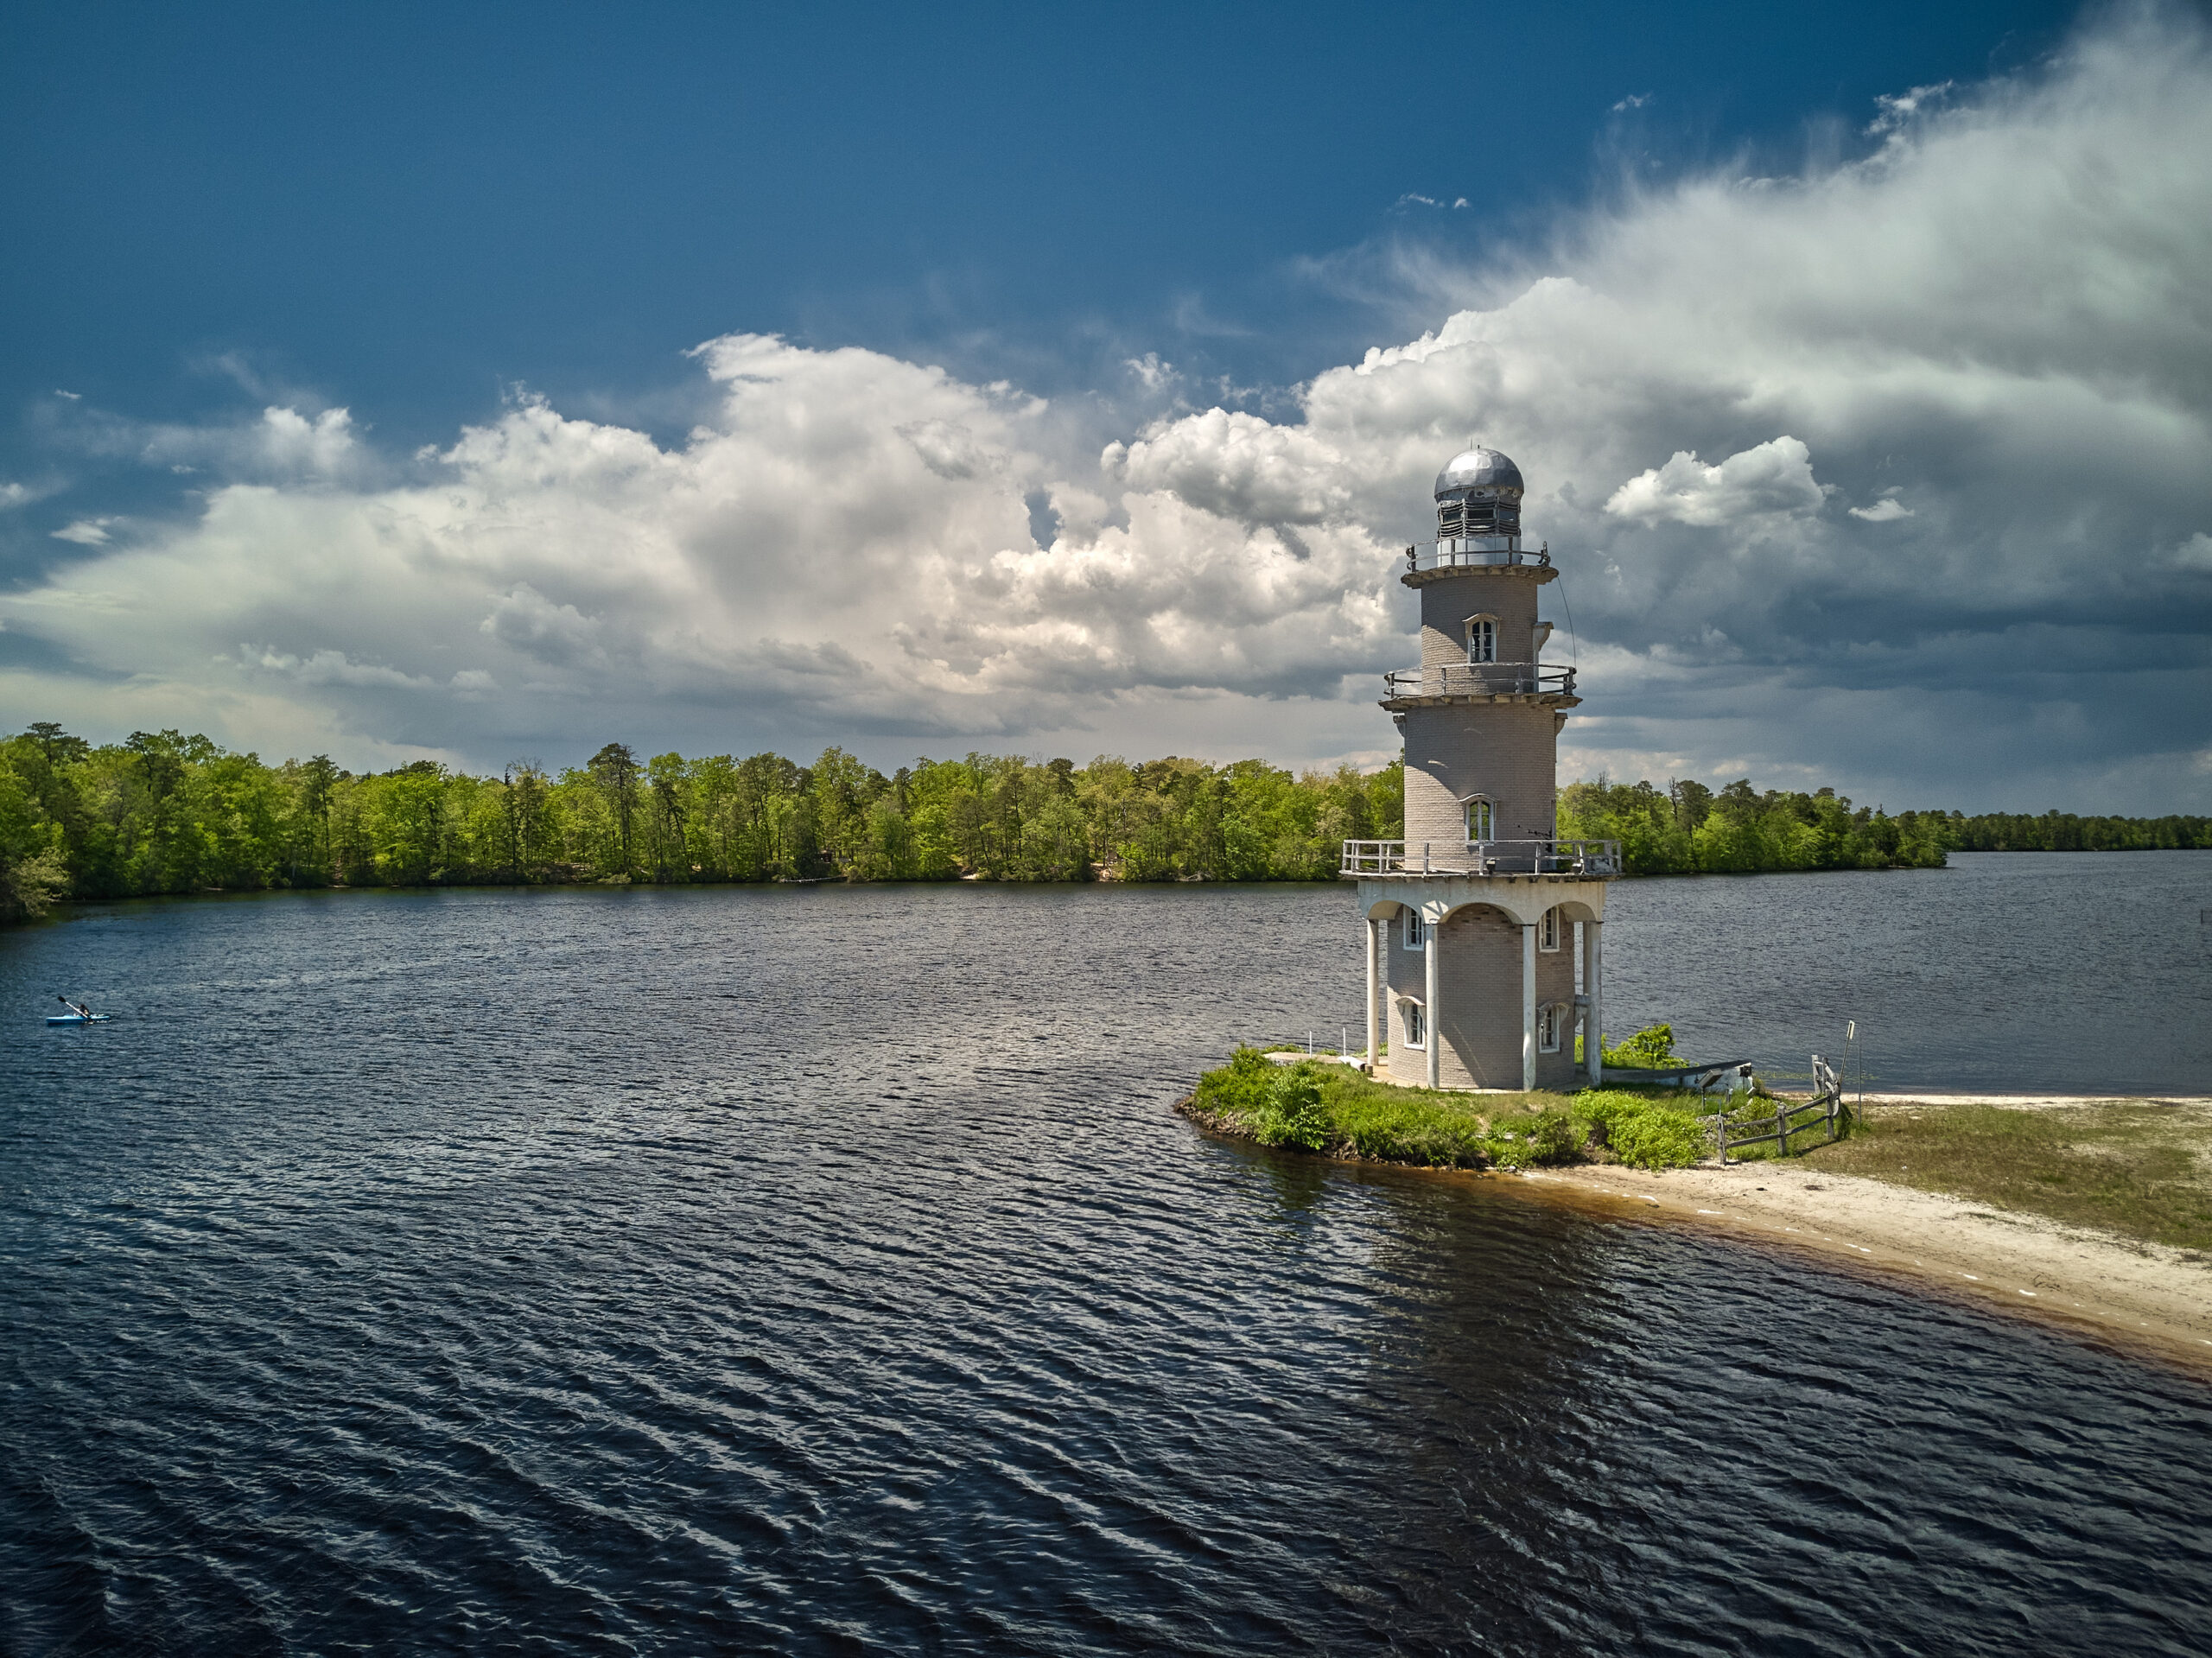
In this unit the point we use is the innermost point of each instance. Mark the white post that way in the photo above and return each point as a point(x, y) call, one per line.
point(1373, 951)
point(1593, 973)
point(1431, 1014)
point(1528, 1006)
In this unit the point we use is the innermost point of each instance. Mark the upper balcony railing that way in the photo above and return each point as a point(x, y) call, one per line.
point(1467, 552)
point(1420, 858)
point(1480, 679)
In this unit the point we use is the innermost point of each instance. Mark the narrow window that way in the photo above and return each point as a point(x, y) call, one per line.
point(1416, 1028)
point(1547, 930)
point(1478, 819)
point(1549, 1019)
point(1482, 640)
point(1416, 933)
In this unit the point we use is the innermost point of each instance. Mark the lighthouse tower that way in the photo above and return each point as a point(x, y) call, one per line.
point(1484, 958)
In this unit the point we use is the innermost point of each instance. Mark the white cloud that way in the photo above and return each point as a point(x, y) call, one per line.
point(86, 532)
point(1995, 315)
point(1898, 109)
point(1774, 478)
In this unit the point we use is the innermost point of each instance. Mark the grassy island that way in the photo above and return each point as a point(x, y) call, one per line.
point(1318, 1106)
point(2138, 1169)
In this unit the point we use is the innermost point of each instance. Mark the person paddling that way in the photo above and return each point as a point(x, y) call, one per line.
point(78, 1007)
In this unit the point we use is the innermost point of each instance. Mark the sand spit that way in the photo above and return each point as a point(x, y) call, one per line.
point(2143, 1296)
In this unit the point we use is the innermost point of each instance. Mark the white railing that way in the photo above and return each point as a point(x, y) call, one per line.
point(1599, 858)
point(1480, 679)
point(1468, 552)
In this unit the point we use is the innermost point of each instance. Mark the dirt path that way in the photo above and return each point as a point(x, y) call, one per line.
point(2141, 1295)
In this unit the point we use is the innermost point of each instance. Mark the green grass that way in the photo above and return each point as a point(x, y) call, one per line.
point(2142, 1170)
point(1328, 1108)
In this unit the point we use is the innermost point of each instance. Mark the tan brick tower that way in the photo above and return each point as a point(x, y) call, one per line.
point(1482, 928)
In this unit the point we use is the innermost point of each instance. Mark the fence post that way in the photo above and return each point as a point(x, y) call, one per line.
point(1781, 1130)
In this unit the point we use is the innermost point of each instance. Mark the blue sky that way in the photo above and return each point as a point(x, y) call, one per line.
point(263, 257)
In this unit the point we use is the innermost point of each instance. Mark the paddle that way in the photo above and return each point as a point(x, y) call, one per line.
point(79, 1008)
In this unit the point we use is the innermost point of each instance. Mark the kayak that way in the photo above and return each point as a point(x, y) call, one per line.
point(78, 1018)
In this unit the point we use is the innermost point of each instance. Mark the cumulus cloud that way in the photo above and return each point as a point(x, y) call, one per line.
point(1990, 331)
point(1775, 479)
point(86, 532)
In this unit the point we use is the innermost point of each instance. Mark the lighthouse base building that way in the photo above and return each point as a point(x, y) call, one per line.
point(1484, 949)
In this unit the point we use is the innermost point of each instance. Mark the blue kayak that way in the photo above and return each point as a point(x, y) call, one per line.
point(77, 1018)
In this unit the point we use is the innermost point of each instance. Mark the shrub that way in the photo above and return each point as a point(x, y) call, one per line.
point(1651, 1048)
point(1648, 1132)
point(1293, 1113)
point(1241, 1088)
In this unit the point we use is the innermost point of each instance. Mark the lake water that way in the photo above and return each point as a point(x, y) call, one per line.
point(822, 1270)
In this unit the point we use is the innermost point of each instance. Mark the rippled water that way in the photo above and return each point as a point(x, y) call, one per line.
point(821, 1270)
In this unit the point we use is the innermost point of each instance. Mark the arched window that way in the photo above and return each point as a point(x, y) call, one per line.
point(1416, 1025)
point(1416, 933)
point(1482, 638)
point(1481, 825)
point(1547, 930)
point(1551, 1020)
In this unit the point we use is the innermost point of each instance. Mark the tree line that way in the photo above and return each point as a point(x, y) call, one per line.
point(2064, 832)
point(164, 813)
point(1687, 828)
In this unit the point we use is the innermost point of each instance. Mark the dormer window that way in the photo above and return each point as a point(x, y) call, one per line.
point(1482, 638)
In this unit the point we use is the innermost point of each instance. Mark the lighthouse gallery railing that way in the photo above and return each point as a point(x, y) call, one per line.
point(1480, 679)
point(1481, 858)
point(1471, 552)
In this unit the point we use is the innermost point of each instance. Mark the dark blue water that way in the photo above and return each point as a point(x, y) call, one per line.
point(822, 1271)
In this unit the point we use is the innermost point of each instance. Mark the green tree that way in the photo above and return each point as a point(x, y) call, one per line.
point(614, 769)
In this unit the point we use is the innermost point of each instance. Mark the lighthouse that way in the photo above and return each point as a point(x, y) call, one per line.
point(1484, 947)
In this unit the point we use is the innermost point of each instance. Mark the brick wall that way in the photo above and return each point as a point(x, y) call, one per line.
point(1508, 751)
point(1505, 591)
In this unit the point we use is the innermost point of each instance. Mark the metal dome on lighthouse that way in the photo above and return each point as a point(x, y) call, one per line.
point(1478, 500)
point(1482, 927)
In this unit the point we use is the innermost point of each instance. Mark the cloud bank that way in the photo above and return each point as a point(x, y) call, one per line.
point(1897, 473)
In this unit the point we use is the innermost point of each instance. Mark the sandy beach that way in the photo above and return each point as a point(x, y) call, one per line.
point(2143, 1296)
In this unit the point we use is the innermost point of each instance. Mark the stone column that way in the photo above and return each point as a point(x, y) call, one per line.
point(1528, 1006)
point(1431, 1019)
point(1374, 952)
point(1594, 977)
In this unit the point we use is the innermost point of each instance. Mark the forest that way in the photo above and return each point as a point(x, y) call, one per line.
point(166, 813)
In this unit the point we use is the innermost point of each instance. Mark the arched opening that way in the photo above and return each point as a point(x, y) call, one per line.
point(1413, 1022)
point(1482, 638)
point(1482, 821)
point(1552, 1020)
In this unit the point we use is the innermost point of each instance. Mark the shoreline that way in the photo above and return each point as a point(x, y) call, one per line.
point(2149, 1300)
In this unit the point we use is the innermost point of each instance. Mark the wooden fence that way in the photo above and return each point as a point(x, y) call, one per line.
point(1825, 1109)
